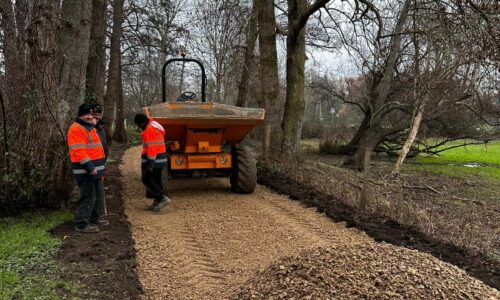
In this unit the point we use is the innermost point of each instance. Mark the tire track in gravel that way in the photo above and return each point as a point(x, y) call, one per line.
point(210, 240)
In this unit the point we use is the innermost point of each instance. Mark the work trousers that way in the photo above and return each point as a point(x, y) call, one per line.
point(152, 180)
point(90, 203)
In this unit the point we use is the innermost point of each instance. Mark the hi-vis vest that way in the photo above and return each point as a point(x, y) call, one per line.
point(154, 151)
point(86, 151)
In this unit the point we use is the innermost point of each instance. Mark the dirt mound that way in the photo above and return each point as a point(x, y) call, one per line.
point(376, 271)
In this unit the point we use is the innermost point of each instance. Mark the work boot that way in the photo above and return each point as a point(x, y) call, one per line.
point(88, 229)
point(101, 222)
point(152, 205)
point(164, 202)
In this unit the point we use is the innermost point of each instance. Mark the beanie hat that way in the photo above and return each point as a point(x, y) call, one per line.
point(96, 108)
point(140, 119)
point(84, 109)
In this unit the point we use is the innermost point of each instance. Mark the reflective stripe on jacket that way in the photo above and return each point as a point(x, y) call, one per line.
point(154, 151)
point(86, 151)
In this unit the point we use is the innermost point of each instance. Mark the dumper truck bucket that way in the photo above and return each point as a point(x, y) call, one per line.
point(233, 122)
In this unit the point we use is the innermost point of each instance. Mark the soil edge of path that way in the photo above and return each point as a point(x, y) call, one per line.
point(104, 263)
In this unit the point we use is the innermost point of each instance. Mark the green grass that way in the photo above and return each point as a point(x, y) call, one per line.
point(452, 162)
point(486, 154)
point(27, 269)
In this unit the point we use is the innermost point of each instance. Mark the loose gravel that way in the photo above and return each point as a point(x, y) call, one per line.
point(376, 271)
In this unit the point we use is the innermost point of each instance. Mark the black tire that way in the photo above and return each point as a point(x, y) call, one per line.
point(244, 176)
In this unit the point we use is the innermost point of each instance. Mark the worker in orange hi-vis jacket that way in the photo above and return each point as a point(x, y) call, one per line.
point(154, 159)
point(87, 160)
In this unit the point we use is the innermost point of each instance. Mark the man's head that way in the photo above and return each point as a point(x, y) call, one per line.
point(141, 120)
point(97, 111)
point(85, 113)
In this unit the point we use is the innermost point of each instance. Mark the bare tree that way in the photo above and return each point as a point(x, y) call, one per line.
point(214, 35)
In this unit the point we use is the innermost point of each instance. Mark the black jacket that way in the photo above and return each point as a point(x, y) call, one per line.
point(102, 135)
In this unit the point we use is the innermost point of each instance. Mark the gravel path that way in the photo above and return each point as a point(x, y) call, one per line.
point(209, 242)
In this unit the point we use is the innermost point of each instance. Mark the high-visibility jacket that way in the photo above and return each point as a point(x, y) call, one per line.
point(154, 151)
point(86, 151)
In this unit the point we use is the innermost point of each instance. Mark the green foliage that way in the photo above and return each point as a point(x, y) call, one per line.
point(133, 134)
point(25, 186)
point(26, 257)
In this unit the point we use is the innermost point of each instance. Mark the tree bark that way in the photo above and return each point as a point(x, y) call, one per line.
point(96, 67)
point(364, 197)
point(415, 125)
point(14, 70)
point(268, 68)
point(295, 61)
point(74, 43)
point(110, 98)
point(45, 57)
point(120, 134)
point(250, 42)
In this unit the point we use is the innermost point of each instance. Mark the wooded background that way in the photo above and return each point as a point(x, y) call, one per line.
point(422, 69)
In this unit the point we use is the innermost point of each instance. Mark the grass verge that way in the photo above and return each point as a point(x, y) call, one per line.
point(27, 249)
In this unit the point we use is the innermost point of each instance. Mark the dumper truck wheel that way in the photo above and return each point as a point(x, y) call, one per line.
point(244, 176)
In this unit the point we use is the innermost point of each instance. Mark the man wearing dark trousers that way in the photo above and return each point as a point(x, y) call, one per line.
point(154, 159)
point(99, 126)
point(87, 161)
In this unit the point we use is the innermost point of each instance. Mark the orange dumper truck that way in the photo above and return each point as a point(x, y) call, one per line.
point(203, 138)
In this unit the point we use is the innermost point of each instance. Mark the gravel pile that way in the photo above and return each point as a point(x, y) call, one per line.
point(377, 271)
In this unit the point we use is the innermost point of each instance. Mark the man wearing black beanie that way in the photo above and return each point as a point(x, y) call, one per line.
point(87, 161)
point(154, 159)
point(97, 112)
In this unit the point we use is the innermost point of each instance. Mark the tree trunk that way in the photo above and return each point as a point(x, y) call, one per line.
point(74, 44)
point(415, 125)
point(44, 57)
point(364, 197)
point(295, 61)
point(96, 68)
point(14, 70)
point(251, 39)
point(419, 109)
point(110, 98)
point(120, 134)
point(370, 140)
point(268, 68)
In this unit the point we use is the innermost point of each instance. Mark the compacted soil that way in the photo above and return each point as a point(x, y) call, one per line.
point(210, 243)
